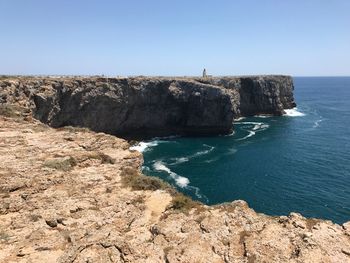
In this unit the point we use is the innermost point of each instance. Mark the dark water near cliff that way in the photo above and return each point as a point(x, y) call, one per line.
point(278, 165)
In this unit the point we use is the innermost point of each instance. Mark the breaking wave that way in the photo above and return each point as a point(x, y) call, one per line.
point(188, 157)
point(257, 127)
point(142, 146)
point(198, 194)
point(179, 180)
point(179, 160)
point(317, 123)
point(293, 113)
point(251, 133)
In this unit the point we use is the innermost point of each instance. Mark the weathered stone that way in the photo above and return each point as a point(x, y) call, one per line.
point(121, 225)
point(51, 222)
point(148, 107)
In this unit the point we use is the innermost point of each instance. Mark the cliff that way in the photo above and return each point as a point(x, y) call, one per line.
point(72, 195)
point(148, 107)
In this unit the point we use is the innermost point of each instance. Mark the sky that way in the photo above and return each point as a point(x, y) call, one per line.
point(176, 38)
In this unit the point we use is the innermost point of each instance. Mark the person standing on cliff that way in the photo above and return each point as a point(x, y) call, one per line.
point(204, 73)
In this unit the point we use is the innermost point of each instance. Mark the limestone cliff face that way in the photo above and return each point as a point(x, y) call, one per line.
point(147, 107)
point(258, 94)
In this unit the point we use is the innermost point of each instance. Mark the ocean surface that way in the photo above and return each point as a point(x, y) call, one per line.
point(295, 163)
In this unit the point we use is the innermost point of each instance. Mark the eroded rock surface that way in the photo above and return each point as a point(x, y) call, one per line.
point(63, 200)
point(147, 107)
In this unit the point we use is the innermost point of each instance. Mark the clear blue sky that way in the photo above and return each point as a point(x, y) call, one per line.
point(161, 37)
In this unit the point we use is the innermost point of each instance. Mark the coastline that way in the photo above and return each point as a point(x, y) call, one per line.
point(64, 201)
point(70, 194)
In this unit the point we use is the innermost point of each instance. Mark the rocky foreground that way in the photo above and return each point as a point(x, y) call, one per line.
point(72, 195)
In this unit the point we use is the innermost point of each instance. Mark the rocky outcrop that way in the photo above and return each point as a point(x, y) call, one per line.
point(66, 196)
point(148, 107)
point(255, 95)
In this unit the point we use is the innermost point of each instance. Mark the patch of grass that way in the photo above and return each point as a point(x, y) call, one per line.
point(138, 200)
point(73, 129)
point(104, 158)
point(183, 203)
point(132, 178)
point(35, 217)
point(12, 111)
point(40, 127)
point(311, 222)
point(63, 164)
point(4, 236)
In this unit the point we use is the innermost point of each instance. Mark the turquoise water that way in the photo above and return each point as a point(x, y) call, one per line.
point(278, 165)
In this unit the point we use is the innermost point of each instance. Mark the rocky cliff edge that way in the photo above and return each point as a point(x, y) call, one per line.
point(73, 195)
point(143, 107)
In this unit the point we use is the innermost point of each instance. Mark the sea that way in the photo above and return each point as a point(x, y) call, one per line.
point(299, 162)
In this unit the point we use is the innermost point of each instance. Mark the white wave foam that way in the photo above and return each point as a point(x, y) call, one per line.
point(293, 113)
point(184, 159)
point(202, 152)
point(198, 194)
point(251, 133)
point(180, 180)
point(317, 123)
point(142, 146)
point(145, 168)
point(263, 116)
point(231, 151)
point(260, 127)
point(211, 160)
point(239, 119)
point(256, 127)
point(251, 122)
point(230, 134)
point(179, 160)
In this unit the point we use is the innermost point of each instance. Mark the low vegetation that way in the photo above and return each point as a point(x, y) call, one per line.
point(73, 129)
point(104, 158)
point(4, 236)
point(63, 164)
point(132, 178)
point(183, 203)
point(11, 111)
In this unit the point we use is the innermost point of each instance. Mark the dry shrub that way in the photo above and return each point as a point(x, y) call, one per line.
point(132, 178)
point(64, 164)
point(13, 111)
point(183, 203)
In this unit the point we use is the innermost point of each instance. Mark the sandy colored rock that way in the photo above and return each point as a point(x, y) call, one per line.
point(62, 200)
